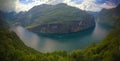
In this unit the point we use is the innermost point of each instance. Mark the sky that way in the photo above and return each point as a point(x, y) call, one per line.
point(88, 5)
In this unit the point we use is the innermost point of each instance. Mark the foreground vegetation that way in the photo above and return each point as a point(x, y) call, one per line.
point(13, 49)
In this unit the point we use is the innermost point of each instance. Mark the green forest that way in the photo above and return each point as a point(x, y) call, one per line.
point(13, 49)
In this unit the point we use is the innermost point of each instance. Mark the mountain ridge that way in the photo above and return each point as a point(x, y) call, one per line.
point(110, 16)
point(62, 15)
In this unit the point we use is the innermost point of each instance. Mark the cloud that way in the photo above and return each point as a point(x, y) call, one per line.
point(7, 5)
point(25, 7)
point(54, 2)
point(15, 5)
point(88, 5)
point(107, 6)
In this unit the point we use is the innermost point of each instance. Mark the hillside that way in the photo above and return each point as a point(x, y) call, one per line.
point(13, 49)
point(52, 14)
point(110, 16)
point(5, 25)
point(59, 18)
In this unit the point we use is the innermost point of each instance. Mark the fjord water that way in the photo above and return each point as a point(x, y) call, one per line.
point(71, 42)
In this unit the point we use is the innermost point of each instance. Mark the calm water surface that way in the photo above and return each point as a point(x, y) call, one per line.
point(69, 42)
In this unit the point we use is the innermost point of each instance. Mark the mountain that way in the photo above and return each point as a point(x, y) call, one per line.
point(59, 18)
point(110, 16)
point(9, 17)
point(3, 24)
point(95, 14)
point(115, 2)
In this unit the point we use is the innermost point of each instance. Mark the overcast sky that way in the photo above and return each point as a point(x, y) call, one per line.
point(88, 5)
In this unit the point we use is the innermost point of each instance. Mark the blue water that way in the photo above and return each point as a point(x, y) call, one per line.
point(70, 42)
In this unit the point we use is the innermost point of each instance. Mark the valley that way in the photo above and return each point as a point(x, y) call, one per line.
point(61, 32)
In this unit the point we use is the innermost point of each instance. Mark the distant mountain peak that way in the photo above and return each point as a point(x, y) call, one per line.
point(118, 6)
point(64, 4)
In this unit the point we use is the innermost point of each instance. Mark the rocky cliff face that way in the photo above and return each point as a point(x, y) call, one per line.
point(59, 28)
